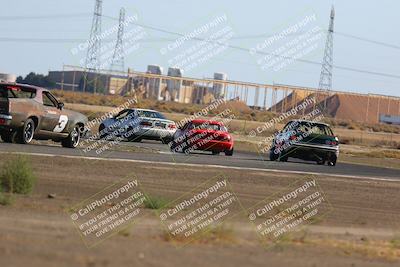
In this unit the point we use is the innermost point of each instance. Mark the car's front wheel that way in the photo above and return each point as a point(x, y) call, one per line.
point(272, 155)
point(283, 157)
point(229, 152)
point(73, 139)
point(166, 140)
point(102, 131)
point(135, 138)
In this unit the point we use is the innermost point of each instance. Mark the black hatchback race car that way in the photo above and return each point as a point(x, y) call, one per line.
point(306, 140)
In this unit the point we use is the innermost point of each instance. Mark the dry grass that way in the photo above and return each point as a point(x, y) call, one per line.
point(241, 111)
point(243, 127)
point(370, 249)
point(393, 154)
point(220, 234)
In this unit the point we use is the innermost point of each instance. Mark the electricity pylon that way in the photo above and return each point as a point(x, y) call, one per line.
point(117, 62)
point(325, 81)
point(94, 45)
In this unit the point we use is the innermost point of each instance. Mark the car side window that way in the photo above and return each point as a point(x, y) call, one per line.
point(186, 126)
point(48, 100)
point(189, 126)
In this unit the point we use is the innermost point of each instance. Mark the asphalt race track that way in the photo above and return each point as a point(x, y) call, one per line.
point(161, 154)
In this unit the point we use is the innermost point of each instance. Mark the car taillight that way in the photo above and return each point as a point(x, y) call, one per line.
point(146, 123)
point(172, 126)
point(2, 121)
point(293, 137)
point(331, 143)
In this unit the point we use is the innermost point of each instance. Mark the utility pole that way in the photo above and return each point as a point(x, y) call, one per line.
point(325, 82)
point(117, 62)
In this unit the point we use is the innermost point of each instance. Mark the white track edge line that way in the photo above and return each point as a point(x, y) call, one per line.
point(208, 165)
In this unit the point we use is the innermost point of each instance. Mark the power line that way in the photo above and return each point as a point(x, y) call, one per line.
point(367, 40)
point(70, 40)
point(47, 40)
point(266, 35)
point(255, 36)
point(54, 16)
point(271, 54)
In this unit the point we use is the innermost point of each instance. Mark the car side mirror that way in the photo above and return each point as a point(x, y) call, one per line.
point(60, 105)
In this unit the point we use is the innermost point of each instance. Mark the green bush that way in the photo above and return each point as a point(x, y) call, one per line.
point(155, 203)
point(16, 176)
point(6, 199)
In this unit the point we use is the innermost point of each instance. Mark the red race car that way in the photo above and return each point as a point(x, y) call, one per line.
point(203, 135)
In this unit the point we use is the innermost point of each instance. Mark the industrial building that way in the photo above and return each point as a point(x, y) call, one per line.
point(172, 87)
point(5, 77)
point(78, 80)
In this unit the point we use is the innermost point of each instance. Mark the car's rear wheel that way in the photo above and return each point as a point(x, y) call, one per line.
point(73, 139)
point(332, 162)
point(173, 146)
point(332, 158)
point(229, 152)
point(25, 134)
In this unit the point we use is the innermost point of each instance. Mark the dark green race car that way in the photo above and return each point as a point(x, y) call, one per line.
point(306, 140)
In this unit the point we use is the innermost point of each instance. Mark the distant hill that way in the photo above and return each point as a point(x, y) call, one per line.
point(345, 106)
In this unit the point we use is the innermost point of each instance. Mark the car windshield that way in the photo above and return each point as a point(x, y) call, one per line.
point(15, 91)
point(123, 114)
point(309, 127)
point(150, 114)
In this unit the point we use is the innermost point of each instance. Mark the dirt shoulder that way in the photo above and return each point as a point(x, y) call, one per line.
point(361, 229)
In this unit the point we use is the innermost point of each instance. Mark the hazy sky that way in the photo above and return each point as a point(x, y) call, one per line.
point(42, 35)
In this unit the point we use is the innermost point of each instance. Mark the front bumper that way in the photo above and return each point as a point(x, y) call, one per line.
point(212, 145)
point(149, 133)
point(155, 133)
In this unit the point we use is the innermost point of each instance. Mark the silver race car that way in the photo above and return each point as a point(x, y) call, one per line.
point(137, 124)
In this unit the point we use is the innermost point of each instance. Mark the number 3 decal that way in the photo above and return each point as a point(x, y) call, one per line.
point(62, 122)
